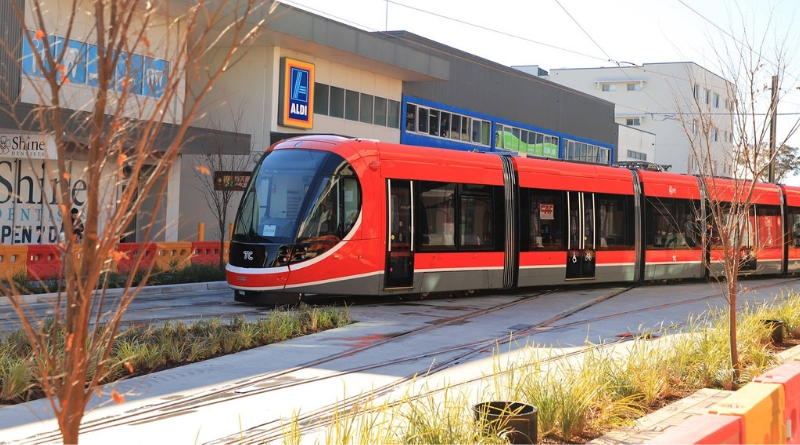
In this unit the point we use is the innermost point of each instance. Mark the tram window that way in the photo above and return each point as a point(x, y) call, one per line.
point(475, 227)
point(351, 199)
point(422, 120)
point(380, 111)
point(336, 102)
point(351, 105)
point(615, 213)
point(464, 128)
point(437, 229)
point(732, 218)
point(672, 223)
point(411, 117)
point(320, 98)
point(546, 222)
point(367, 102)
point(393, 114)
point(334, 210)
point(794, 232)
point(768, 226)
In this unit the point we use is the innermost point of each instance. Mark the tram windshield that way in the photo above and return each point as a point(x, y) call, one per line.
point(299, 196)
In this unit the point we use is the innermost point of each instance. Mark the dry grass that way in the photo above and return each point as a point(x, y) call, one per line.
point(582, 397)
point(141, 350)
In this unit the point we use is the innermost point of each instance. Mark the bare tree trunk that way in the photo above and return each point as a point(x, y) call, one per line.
point(734, 343)
point(121, 131)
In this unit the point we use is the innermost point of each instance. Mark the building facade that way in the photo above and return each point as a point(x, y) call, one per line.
point(486, 106)
point(303, 74)
point(635, 145)
point(668, 100)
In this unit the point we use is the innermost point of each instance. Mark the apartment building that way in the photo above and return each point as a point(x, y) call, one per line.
point(672, 101)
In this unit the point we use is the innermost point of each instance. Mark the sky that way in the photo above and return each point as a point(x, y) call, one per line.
point(594, 33)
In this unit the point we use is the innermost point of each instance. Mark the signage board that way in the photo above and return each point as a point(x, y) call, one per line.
point(27, 145)
point(139, 74)
point(296, 94)
point(231, 180)
point(29, 211)
point(546, 211)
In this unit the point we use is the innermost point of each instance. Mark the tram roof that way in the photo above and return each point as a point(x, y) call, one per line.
point(792, 195)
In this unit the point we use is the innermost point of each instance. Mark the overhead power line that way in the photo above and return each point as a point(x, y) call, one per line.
point(774, 64)
point(507, 34)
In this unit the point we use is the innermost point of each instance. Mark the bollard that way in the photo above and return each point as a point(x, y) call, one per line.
point(776, 331)
point(201, 232)
point(518, 421)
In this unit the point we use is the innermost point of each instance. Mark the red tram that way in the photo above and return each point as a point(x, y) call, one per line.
point(329, 215)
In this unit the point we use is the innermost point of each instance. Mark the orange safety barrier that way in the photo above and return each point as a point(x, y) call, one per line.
point(787, 375)
point(130, 252)
point(44, 261)
point(760, 405)
point(173, 255)
point(206, 252)
point(13, 260)
point(704, 429)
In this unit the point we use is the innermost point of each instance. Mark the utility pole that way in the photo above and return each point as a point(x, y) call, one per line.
point(772, 128)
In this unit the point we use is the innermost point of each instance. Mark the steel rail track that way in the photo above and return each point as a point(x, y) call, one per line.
point(175, 407)
point(321, 416)
point(313, 419)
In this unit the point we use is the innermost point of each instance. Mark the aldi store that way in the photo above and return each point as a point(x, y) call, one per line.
point(307, 74)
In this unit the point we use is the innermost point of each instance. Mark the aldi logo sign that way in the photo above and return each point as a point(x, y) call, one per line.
point(297, 94)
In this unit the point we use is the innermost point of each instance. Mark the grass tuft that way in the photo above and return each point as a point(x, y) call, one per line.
point(149, 348)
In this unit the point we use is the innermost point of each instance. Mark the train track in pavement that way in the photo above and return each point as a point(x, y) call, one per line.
point(321, 417)
point(245, 388)
point(267, 382)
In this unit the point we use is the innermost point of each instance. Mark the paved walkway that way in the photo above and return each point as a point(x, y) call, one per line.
point(653, 424)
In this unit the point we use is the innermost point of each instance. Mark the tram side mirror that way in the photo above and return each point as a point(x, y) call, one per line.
point(256, 157)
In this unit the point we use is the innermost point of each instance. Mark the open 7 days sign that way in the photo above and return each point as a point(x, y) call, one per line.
point(296, 94)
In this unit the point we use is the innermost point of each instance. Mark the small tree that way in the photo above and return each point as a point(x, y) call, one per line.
point(745, 155)
point(221, 173)
point(123, 136)
point(786, 162)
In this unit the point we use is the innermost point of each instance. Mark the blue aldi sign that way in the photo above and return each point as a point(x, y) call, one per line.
point(296, 94)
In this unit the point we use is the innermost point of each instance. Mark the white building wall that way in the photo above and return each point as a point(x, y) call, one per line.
point(161, 32)
point(634, 139)
point(250, 89)
point(253, 85)
point(349, 78)
point(663, 103)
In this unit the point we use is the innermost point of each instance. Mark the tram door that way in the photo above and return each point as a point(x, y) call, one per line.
point(400, 250)
point(582, 233)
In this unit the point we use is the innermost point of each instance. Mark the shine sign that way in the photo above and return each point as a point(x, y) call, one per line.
point(297, 94)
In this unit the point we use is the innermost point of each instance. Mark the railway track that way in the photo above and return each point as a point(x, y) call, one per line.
point(250, 387)
point(281, 380)
point(268, 433)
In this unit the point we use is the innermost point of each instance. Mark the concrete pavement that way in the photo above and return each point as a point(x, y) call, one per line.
point(258, 390)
